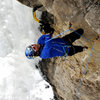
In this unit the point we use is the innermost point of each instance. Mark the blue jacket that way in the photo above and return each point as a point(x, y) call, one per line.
point(52, 47)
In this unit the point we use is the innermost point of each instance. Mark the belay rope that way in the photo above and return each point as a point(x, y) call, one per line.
point(85, 70)
point(83, 73)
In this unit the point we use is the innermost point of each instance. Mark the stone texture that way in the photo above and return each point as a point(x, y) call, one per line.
point(94, 21)
point(69, 10)
point(30, 3)
point(65, 74)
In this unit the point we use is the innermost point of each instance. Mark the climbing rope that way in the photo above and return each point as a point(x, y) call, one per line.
point(85, 70)
point(84, 73)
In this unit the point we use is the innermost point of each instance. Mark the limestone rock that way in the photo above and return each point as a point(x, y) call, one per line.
point(30, 3)
point(94, 21)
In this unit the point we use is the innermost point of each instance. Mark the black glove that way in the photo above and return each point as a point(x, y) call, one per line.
point(36, 7)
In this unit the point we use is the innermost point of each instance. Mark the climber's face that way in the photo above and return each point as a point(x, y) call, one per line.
point(36, 47)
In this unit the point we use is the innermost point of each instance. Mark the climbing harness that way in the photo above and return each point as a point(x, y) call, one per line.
point(66, 46)
point(67, 50)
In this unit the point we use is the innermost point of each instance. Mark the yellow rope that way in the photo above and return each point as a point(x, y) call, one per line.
point(34, 15)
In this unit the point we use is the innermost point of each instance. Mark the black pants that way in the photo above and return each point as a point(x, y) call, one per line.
point(70, 38)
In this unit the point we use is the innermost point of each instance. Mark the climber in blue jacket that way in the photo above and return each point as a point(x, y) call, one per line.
point(48, 48)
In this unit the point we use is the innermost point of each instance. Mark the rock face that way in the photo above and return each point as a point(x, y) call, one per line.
point(69, 10)
point(65, 74)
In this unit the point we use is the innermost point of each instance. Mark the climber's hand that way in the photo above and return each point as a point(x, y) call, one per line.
point(36, 7)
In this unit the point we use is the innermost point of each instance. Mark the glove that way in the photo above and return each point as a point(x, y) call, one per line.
point(36, 7)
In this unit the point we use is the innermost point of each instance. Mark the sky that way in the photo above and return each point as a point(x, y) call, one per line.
point(19, 79)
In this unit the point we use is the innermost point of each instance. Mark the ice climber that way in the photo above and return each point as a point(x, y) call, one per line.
point(48, 48)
